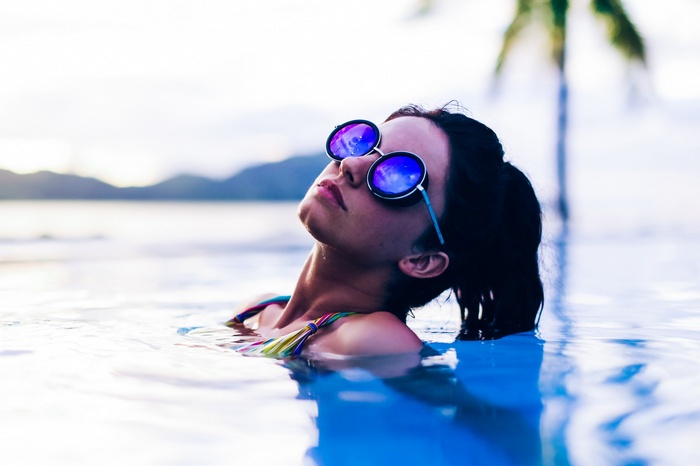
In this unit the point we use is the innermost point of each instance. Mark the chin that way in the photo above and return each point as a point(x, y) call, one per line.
point(305, 209)
point(312, 219)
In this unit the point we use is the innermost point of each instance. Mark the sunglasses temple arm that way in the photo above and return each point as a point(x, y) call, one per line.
point(432, 214)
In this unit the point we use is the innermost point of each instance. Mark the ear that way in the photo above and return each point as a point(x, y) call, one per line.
point(424, 265)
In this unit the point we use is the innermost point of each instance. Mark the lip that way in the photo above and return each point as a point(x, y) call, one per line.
point(332, 189)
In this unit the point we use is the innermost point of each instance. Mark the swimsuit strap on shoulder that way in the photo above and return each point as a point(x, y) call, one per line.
point(292, 343)
point(286, 345)
point(252, 311)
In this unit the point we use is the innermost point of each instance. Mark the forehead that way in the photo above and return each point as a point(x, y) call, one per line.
point(420, 136)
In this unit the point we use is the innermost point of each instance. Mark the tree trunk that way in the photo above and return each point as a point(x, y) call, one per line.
point(562, 124)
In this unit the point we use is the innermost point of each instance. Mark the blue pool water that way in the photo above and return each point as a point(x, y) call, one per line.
point(94, 370)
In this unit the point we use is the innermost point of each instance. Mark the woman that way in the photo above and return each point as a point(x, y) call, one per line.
point(387, 241)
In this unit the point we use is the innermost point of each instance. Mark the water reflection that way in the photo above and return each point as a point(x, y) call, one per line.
point(461, 403)
point(560, 366)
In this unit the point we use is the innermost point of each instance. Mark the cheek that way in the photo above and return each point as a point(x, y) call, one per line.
point(371, 230)
point(394, 230)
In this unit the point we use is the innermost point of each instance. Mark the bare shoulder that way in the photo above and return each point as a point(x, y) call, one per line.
point(377, 333)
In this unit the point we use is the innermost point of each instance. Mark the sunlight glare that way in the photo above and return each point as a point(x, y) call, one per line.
point(120, 167)
point(33, 155)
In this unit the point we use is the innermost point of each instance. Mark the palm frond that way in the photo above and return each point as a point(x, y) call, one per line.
point(622, 32)
point(523, 15)
point(425, 7)
point(559, 10)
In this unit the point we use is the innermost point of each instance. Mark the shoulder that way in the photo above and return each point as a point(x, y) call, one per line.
point(377, 333)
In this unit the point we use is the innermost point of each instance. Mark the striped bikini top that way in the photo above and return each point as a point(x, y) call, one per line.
point(285, 345)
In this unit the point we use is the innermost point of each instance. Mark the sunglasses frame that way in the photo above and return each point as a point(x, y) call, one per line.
point(339, 128)
point(404, 199)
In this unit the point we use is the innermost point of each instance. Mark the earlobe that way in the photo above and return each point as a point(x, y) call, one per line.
point(425, 265)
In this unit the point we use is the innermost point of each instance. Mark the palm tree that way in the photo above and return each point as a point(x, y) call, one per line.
point(551, 15)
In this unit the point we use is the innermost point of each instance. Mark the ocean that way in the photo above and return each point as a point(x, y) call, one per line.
point(92, 295)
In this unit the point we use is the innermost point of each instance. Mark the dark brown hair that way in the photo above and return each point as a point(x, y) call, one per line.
point(492, 227)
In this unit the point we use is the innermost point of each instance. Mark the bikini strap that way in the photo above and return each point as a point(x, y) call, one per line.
point(293, 343)
point(254, 310)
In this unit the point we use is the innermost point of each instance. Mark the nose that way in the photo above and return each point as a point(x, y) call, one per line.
point(355, 169)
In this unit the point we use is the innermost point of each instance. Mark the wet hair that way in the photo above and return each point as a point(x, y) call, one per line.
point(492, 224)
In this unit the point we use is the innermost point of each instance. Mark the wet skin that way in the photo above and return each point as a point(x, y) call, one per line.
point(361, 243)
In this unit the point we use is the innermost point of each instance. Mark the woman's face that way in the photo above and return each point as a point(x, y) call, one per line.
point(340, 211)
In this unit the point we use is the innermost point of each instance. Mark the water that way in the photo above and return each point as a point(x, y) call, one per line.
point(94, 371)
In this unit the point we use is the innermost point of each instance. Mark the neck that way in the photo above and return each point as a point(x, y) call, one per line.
point(331, 281)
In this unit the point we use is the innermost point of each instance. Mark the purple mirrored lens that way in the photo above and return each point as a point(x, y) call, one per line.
point(353, 140)
point(397, 175)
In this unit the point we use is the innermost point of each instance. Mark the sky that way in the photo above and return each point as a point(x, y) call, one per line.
point(135, 91)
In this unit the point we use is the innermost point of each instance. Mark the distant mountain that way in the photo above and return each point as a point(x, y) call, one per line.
point(285, 180)
point(49, 185)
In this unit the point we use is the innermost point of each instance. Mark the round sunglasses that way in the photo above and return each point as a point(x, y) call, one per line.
point(399, 178)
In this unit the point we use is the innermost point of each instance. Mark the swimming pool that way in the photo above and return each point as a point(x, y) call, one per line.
point(94, 370)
